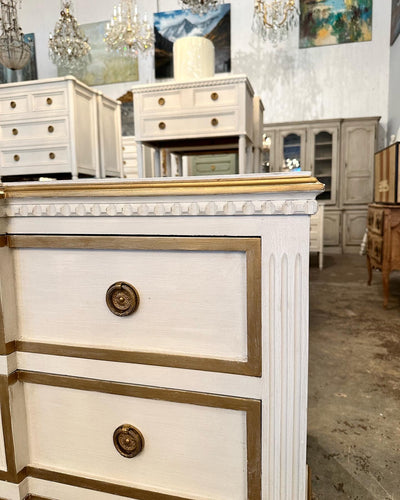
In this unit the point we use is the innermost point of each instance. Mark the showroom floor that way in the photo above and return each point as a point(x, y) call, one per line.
point(354, 382)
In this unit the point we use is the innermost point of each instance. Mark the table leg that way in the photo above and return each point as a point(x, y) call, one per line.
point(242, 154)
point(139, 152)
point(157, 163)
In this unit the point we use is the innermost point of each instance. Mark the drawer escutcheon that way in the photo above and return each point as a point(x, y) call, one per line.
point(122, 298)
point(128, 440)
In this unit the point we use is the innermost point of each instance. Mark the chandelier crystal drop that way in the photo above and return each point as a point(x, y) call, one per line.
point(200, 7)
point(68, 45)
point(127, 33)
point(274, 19)
point(14, 51)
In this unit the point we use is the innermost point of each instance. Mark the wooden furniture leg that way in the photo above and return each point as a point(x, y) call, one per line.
point(369, 267)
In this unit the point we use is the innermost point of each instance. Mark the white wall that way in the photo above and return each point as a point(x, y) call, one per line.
point(340, 81)
point(394, 88)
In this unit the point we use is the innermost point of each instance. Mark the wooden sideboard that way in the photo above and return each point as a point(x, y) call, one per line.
point(154, 338)
point(210, 114)
point(383, 250)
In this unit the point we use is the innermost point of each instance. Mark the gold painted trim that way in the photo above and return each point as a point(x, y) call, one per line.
point(174, 187)
point(251, 246)
point(251, 407)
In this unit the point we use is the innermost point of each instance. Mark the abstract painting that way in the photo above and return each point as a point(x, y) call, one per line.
point(395, 26)
point(104, 67)
point(28, 72)
point(330, 22)
point(171, 25)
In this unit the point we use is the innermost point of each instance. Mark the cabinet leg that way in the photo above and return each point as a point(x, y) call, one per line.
point(369, 267)
point(242, 154)
point(157, 163)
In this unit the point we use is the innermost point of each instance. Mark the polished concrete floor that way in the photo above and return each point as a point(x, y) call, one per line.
point(354, 382)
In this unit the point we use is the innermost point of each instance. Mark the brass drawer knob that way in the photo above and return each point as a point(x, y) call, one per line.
point(15, 131)
point(213, 167)
point(13, 104)
point(16, 157)
point(161, 101)
point(50, 128)
point(52, 156)
point(49, 101)
point(215, 96)
point(128, 440)
point(122, 298)
point(161, 125)
point(214, 122)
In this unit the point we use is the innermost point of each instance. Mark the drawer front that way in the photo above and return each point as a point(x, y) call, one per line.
point(50, 100)
point(32, 157)
point(378, 221)
point(161, 101)
point(49, 129)
point(217, 124)
point(13, 105)
point(216, 96)
point(375, 248)
point(194, 309)
point(193, 445)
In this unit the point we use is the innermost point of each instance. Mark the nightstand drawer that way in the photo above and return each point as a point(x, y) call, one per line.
point(161, 101)
point(220, 123)
point(215, 96)
point(31, 130)
point(49, 100)
point(375, 248)
point(32, 157)
point(13, 105)
point(195, 301)
point(151, 440)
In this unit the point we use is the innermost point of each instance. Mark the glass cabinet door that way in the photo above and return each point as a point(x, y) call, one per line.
point(291, 152)
point(324, 161)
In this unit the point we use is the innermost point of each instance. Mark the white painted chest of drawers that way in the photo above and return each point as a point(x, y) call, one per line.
point(58, 126)
point(203, 115)
point(205, 382)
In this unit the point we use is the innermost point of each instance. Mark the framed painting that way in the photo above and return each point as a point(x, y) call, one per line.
point(171, 25)
point(104, 67)
point(28, 72)
point(331, 22)
point(395, 24)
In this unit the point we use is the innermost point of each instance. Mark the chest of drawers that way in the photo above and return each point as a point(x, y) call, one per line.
point(203, 115)
point(383, 247)
point(58, 126)
point(154, 338)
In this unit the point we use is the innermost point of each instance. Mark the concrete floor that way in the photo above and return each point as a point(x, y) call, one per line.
point(354, 382)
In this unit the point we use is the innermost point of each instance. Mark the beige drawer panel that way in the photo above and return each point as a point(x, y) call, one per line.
point(55, 100)
point(22, 157)
point(192, 125)
point(13, 105)
point(161, 101)
point(195, 445)
point(49, 129)
point(213, 97)
point(194, 301)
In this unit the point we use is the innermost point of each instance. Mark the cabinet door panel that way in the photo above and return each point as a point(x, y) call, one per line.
point(332, 228)
point(355, 224)
point(358, 163)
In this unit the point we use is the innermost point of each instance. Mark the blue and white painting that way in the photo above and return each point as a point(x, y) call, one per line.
point(171, 25)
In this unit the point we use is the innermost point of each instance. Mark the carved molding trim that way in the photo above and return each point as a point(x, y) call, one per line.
point(161, 209)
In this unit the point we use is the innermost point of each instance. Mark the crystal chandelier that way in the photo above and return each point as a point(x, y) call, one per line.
point(68, 45)
point(14, 51)
point(126, 33)
point(200, 6)
point(273, 20)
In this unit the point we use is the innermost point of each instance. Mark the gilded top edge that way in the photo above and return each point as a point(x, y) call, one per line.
point(182, 187)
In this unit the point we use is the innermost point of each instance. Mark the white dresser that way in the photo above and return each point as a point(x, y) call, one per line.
point(208, 114)
point(58, 126)
point(154, 338)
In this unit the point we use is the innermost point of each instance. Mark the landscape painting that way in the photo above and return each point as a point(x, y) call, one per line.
point(171, 25)
point(330, 22)
point(104, 67)
point(28, 72)
point(395, 25)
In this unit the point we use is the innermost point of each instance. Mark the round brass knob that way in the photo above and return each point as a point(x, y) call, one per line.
point(50, 128)
point(122, 298)
point(162, 125)
point(52, 156)
point(214, 96)
point(161, 101)
point(16, 157)
point(213, 167)
point(13, 104)
point(49, 101)
point(128, 440)
point(15, 131)
point(214, 122)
